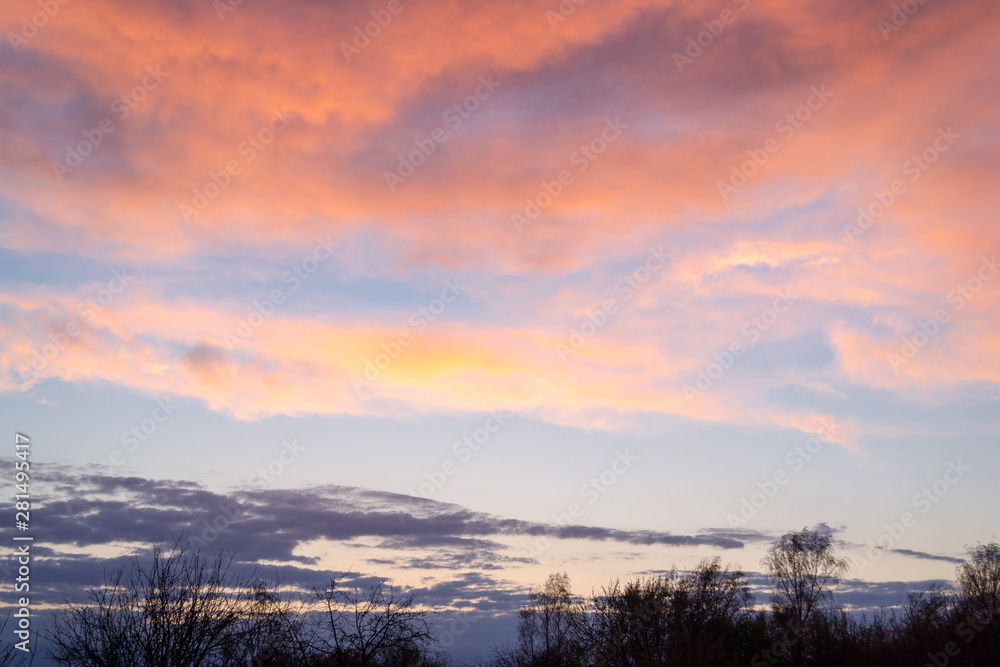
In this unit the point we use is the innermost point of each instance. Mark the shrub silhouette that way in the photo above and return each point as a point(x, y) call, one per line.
point(183, 609)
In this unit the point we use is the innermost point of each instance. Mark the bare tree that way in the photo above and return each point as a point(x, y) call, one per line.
point(927, 609)
point(376, 627)
point(273, 632)
point(925, 621)
point(979, 580)
point(979, 583)
point(803, 571)
point(706, 603)
point(550, 626)
point(630, 624)
point(181, 610)
point(10, 655)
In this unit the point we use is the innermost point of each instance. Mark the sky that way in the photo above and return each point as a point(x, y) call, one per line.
point(461, 294)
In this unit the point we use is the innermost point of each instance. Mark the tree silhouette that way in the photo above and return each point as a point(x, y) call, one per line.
point(630, 624)
point(803, 570)
point(358, 628)
point(979, 582)
point(550, 628)
point(707, 603)
point(182, 610)
point(10, 655)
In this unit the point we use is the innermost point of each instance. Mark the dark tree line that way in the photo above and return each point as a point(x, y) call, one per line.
point(708, 617)
point(186, 610)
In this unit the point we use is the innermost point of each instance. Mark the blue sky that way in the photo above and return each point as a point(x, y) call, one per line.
point(692, 347)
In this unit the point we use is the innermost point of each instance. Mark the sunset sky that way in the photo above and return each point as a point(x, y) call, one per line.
point(465, 293)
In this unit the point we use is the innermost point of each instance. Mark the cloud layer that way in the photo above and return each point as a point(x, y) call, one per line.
point(238, 159)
